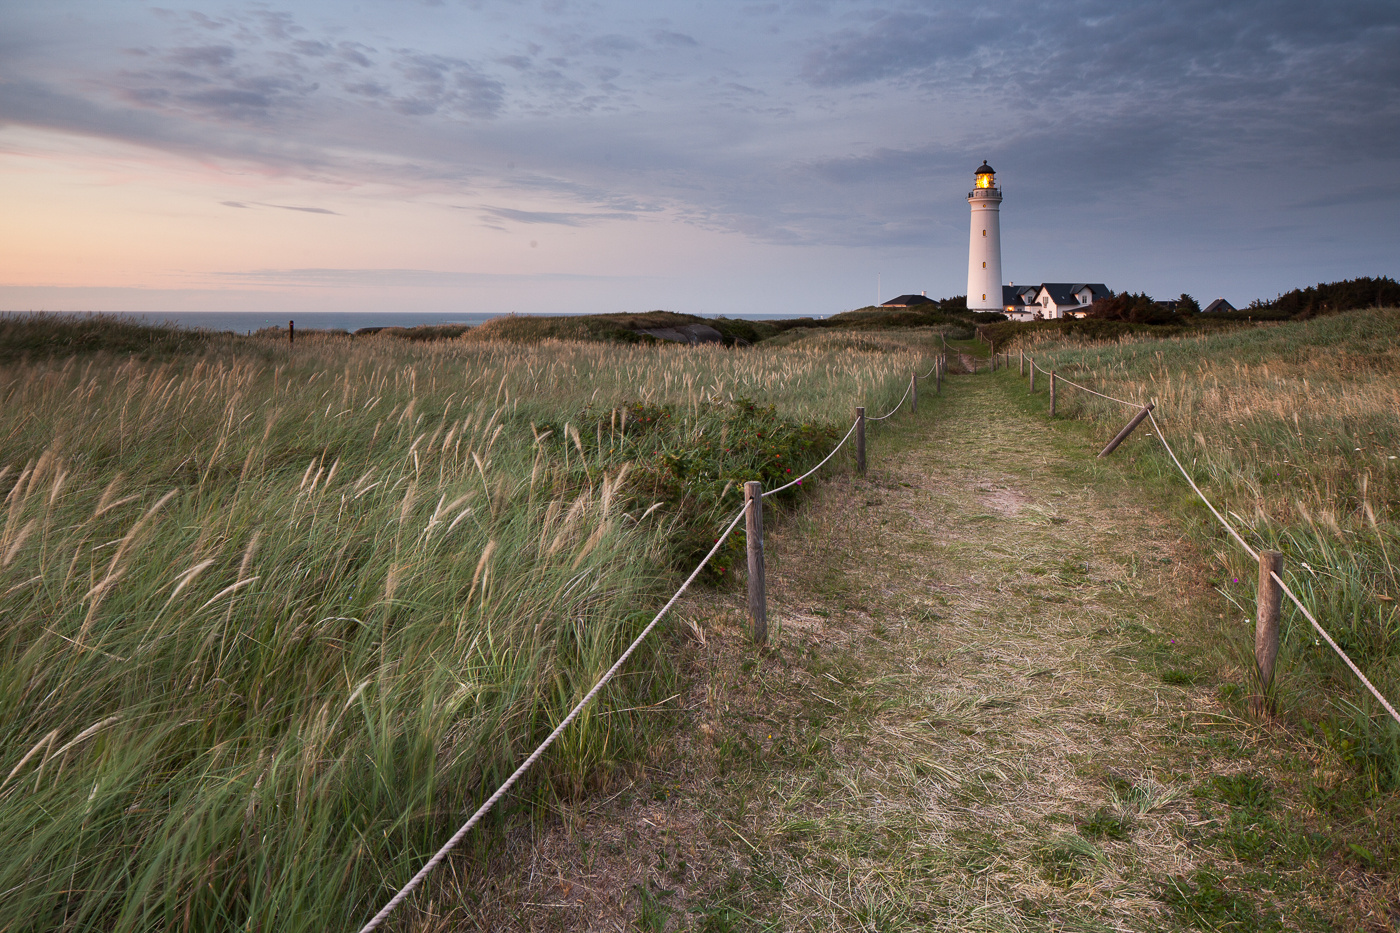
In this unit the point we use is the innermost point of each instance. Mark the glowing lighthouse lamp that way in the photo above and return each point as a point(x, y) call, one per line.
point(984, 245)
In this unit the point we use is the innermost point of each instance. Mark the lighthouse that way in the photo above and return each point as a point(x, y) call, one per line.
point(984, 246)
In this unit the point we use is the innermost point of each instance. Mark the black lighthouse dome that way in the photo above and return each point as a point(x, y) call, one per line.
point(985, 169)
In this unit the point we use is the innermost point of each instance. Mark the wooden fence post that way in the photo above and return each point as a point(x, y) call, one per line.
point(860, 440)
point(1023, 362)
point(1128, 429)
point(991, 345)
point(1052, 393)
point(753, 532)
point(914, 393)
point(1032, 377)
point(938, 385)
point(1266, 627)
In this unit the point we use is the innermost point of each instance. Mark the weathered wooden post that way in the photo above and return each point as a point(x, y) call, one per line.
point(938, 385)
point(291, 332)
point(753, 532)
point(1128, 429)
point(914, 393)
point(1023, 362)
point(860, 440)
point(1266, 627)
point(991, 345)
point(1032, 377)
point(1052, 393)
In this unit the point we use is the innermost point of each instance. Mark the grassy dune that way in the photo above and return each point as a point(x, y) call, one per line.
point(1295, 429)
point(274, 618)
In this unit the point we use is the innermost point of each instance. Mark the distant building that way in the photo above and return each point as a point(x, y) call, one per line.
point(1051, 301)
point(909, 301)
point(1219, 304)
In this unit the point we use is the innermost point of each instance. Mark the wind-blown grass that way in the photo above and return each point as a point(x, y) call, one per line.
point(274, 619)
point(1295, 430)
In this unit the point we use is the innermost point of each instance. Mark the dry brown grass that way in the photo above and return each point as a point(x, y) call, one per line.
point(962, 724)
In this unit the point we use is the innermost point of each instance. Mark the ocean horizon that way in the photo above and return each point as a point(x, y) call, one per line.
point(245, 322)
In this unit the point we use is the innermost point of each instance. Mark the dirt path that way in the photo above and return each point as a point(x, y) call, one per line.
point(978, 714)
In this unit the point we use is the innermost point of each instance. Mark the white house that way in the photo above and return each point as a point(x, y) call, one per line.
point(1018, 302)
point(1051, 301)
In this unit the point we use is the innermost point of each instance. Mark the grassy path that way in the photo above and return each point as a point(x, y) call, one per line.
point(985, 708)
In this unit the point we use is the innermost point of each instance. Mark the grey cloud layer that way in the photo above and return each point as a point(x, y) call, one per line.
point(805, 124)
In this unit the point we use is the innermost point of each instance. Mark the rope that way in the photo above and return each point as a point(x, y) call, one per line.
point(1059, 378)
point(931, 371)
point(491, 801)
point(1221, 518)
point(457, 837)
point(818, 466)
point(1284, 586)
point(897, 407)
point(1335, 647)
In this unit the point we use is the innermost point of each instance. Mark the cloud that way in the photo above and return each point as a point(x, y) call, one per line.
point(283, 207)
point(677, 39)
point(561, 218)
point(902, 44)
point(206, 56)
point(412, 278)
point(802, 123)
point(440, 82)
point(613, 46)
point(305, 210)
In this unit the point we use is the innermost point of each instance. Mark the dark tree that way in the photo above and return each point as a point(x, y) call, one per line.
point(1331, 297)
point(1134, 308)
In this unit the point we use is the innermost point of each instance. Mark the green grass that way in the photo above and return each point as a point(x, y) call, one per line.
point(277, 618)
point(1293, 430)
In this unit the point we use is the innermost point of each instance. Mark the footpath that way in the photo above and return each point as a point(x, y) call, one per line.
point(984, 707)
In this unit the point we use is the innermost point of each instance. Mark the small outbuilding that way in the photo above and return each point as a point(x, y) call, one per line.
point(909, 301)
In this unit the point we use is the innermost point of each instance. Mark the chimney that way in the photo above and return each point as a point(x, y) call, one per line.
point(924, 293)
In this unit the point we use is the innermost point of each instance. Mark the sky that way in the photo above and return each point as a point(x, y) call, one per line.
point(703, 157)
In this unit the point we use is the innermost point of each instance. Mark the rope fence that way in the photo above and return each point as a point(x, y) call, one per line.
point(752, 511)
point(1270, 562)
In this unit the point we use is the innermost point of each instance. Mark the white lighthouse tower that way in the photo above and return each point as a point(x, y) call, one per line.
point(984, 246)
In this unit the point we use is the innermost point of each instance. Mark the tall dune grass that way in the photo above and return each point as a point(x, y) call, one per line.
point(1295, 429)
point(274, 618)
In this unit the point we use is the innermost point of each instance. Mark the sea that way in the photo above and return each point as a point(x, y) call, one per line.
point(245, 322)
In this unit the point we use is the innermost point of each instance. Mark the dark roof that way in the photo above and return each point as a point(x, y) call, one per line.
point(1015, 294)
point(1219, 304)
point(1063, 292)
point(905, 301)
point(985, 169)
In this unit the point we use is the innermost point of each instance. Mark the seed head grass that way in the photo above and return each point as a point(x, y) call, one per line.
point(1293, 430)
point(276, 618)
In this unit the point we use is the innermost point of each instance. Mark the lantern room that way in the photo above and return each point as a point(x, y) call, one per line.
point(986, 177)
